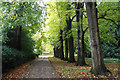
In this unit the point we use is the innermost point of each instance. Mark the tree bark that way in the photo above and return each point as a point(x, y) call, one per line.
point(18, 37)
point(98, 67)
point(70, 39)
point(57, 52)
point(55, 55)
point(61, 46)
point(70, 42)
point(79, 17)
point(66, 46)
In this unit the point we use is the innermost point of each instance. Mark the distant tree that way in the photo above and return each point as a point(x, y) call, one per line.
point(66, 45)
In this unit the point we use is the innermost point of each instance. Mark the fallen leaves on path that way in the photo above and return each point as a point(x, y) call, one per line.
point(68, 70)
point(65, 70)
point(18, 72)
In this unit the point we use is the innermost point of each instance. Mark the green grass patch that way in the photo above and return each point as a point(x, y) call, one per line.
point(107, 60)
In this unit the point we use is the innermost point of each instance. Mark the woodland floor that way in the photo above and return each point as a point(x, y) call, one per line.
point(69, 70)
point(55, 68)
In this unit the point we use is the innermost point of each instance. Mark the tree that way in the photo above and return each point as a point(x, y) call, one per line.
point(18, 18)
point(70, 39)
point(59, 18)
point(66, 45)
point(61, 47)
point(61, 50)
point(98, 67)
point(109, 24)
point(79, 19)
point(56, 31)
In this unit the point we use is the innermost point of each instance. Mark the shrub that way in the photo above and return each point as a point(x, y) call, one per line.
point(12, 58)
point(110, 51)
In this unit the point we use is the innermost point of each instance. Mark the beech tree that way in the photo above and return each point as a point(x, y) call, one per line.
point(70, 39)
point(66, 44)
point(57, 34)
point(81, 32)
point(98, 67)
point(63, 20)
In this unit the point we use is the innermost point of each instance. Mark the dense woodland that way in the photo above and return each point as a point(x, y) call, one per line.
point(85, 29)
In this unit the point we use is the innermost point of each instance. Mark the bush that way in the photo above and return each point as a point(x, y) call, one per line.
point(110, 51)
point(12, 58)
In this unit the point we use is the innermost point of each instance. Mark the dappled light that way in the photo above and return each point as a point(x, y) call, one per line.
point(60, 40)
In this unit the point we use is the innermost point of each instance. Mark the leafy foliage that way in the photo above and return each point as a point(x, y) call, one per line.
point(16, 14)
point(26, 15)
point(12, 57)
point(110, 51)
point(109, 29)
point(30, 16)
point(27, 42)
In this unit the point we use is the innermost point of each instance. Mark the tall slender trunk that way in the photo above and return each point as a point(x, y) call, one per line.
point(98, 67)
point(66, 46)
point(19, 28)
point(79, 17)
point(18, 37)
point(70, 39)
point(57, 52)
point(82, 40)
point(54, 49)
point(70, 42)
point(61, 46)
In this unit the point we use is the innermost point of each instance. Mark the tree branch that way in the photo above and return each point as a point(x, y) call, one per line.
point(85, 30)
point(109, 20)
point(85, 15)
point(105, 13)
point(74, 21)
point(73, 17)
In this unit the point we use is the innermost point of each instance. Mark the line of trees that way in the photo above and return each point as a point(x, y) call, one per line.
point(20, 21)
point(70, 27)
point(62, 26)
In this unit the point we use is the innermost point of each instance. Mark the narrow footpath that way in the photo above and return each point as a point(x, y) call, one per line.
point(41, 68)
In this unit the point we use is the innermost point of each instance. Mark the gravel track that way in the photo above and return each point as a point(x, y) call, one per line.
point(41, 68)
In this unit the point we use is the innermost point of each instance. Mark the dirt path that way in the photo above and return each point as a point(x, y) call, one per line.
point(41, 68)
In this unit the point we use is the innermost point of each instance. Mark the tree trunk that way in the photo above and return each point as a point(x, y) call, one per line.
point(54, 52)
point(57, 52)
point(66, 46)
point(79, 17)
point(61, 46)
point(70, 39)
point(18, 38)
point(70, 42)
point(19, 28)
point(98, 67)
